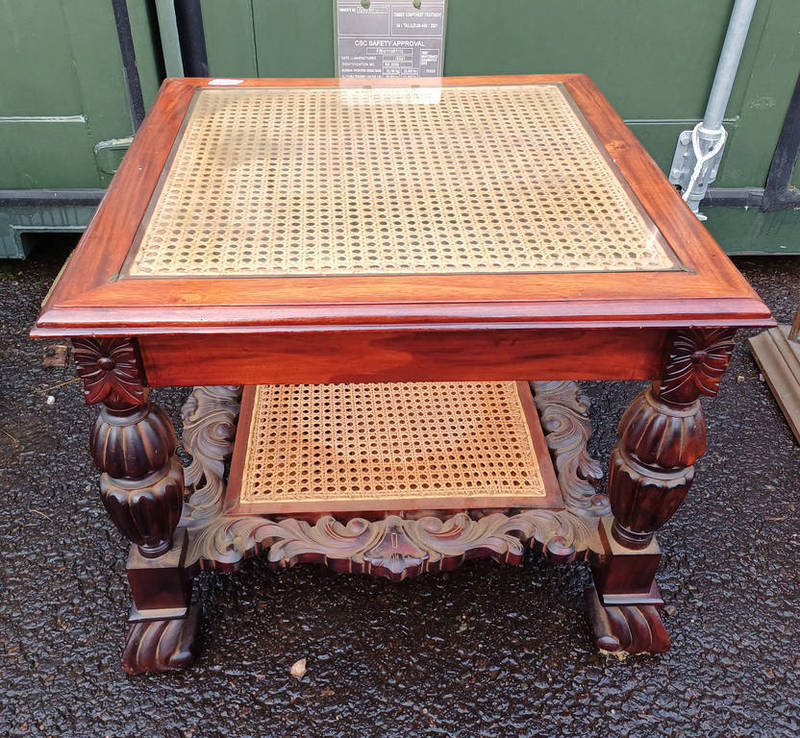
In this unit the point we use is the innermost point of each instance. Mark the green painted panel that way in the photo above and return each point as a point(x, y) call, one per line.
point(37, 76)
point(749, 231)
point(294, 39)
point(96, 56)
point(17, 221)
point(769, 71)
point(62, 88)
point(652, 60)
point(57, 153)
point(231, 45)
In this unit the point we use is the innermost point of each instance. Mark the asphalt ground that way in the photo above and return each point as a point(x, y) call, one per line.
point(483, 651)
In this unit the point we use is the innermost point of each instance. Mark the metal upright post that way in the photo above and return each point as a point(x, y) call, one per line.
point(699, 151)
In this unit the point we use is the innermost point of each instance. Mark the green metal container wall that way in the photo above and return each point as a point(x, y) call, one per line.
point(655, 61)
point(62, 91)
point(63, 105)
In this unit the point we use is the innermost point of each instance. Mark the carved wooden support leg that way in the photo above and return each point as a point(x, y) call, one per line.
point(133, 445)
point(142, 481)
point(652, 466)
point(662, 434)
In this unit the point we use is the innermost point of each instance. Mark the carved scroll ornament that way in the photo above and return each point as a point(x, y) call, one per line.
point(392, 547)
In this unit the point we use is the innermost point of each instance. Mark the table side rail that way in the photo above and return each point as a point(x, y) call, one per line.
point(393, 356)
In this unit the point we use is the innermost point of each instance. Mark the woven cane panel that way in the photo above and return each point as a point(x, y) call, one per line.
point(497, 179)
point(345, 442)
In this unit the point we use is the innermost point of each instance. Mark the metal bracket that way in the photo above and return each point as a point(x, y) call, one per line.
point(699, 151)
point(696, 163)
point(108, 154)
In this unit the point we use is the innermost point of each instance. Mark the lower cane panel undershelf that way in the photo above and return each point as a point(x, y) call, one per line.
point(389, 446)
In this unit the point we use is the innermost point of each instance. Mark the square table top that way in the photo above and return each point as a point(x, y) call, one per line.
point(297, 204)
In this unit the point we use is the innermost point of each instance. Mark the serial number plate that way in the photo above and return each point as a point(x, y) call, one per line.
point(390, 38)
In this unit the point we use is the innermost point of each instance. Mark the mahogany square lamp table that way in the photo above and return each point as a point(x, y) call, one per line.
point(406, 279)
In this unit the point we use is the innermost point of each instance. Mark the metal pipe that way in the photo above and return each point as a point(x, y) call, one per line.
point(189, 18)
point(728, 63)
point(778, 193)
point(699, 151)
point(734, 197)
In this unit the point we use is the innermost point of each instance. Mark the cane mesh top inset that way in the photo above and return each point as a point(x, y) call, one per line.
point(338, 443)
point(324, 181)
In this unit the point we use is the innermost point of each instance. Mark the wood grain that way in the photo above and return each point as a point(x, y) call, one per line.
point(401, 356)
point(91, 299)
point(663, 433)
point(779, 359)
point(626, 629)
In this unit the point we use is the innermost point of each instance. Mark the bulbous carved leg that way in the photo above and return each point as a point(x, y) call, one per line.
point(652, 466)
point(142, 482)
point(662, 434)
point(133, 445)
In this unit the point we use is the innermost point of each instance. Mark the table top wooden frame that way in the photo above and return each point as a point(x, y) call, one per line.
point(611, 314)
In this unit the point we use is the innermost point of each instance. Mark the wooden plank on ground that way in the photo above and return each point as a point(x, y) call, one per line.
point(779, 360)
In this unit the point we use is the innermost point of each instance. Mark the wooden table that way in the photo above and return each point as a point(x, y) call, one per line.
point(329, 236)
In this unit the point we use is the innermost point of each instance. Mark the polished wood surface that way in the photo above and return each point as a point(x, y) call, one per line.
point(424, 354)
point(91, 298)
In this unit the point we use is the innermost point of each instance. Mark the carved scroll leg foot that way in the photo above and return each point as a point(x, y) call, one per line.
point(626, 629)
point(164, 619)
point(156, 646)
